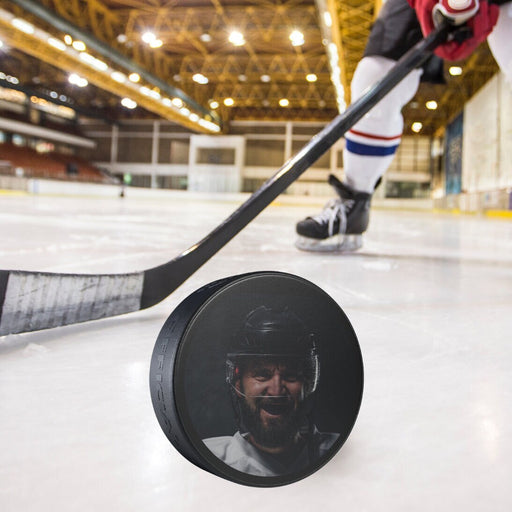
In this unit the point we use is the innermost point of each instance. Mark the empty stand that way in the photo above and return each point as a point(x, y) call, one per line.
point(48, 165)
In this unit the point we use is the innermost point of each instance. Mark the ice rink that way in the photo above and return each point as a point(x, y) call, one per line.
point(429, 296)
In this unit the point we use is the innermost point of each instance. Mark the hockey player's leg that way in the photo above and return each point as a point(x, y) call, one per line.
point(370, 148)
point(372, 143)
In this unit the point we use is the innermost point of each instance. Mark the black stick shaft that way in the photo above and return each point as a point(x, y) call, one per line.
point(158, 281)
point(40, 300)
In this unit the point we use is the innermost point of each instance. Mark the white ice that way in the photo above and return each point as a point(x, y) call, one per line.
point(429, 296)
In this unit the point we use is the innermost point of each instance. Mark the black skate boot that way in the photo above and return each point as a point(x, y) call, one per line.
point(339, 227)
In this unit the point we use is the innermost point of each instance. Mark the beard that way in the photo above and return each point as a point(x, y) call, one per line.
point(277, 431)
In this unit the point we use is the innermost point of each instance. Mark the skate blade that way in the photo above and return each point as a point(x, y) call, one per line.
point(336, 243)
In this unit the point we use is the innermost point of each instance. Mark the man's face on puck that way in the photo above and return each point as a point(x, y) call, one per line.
point(271, 393)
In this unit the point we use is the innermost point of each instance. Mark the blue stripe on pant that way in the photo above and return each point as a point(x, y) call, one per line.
point(367, 150)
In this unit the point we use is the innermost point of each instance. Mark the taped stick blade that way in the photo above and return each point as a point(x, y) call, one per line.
point(37, 300)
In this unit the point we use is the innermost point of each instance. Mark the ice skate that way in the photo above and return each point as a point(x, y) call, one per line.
point(340, 225)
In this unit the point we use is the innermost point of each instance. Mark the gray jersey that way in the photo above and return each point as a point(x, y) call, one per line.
point(236, 451)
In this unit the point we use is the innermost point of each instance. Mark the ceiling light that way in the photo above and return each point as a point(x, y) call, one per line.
point(283, 102)
point(134, 77)
point(332, 50)
point(177, 102)
point(167, 102)
point(56, 43)
point(209, 125)
point(54, 95)
point(205, 38)
point(214, 104)
point(77, 80)
point(200, 78)
point(242, 78)
point(118, 77)
point(121, 38)
point(68, 39)
point(416, 127)
point(455, 70)
point(311, 77)
point(327, 19)
point(79, 46)
point(431, 105)
point(185, 111)
point(229, 102)
point(157, 43)
point(62, 97)
point(333, 53)
point(148, 37)
point(194, 118)
point(265, 78)
point(93, 61)
point(23, 25)
point(128, 103)
point(236, 38)
point(1, 43)
point(155, 94)
point(297, 38)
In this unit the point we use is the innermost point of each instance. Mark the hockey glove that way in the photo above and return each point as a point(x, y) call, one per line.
point(479, 16)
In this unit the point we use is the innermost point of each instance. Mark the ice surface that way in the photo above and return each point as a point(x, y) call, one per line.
point(429, 296)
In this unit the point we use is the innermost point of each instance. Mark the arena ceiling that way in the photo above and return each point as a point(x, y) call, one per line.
point(189, 57)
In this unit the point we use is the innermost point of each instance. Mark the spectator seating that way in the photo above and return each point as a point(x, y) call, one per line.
point(50, 165)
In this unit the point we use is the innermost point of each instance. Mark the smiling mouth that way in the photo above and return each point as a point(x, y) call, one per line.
point(276, 409)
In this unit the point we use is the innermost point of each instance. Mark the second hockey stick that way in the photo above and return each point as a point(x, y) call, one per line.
point(31, 301)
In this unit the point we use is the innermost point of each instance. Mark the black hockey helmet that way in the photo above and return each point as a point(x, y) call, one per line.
point(272, 333)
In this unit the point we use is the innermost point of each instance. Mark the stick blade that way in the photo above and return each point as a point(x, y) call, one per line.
point(40, 300)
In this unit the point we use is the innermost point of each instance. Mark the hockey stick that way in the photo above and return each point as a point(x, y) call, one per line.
point(31, 301)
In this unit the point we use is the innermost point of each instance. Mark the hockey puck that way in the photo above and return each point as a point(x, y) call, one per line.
point(257, 378)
